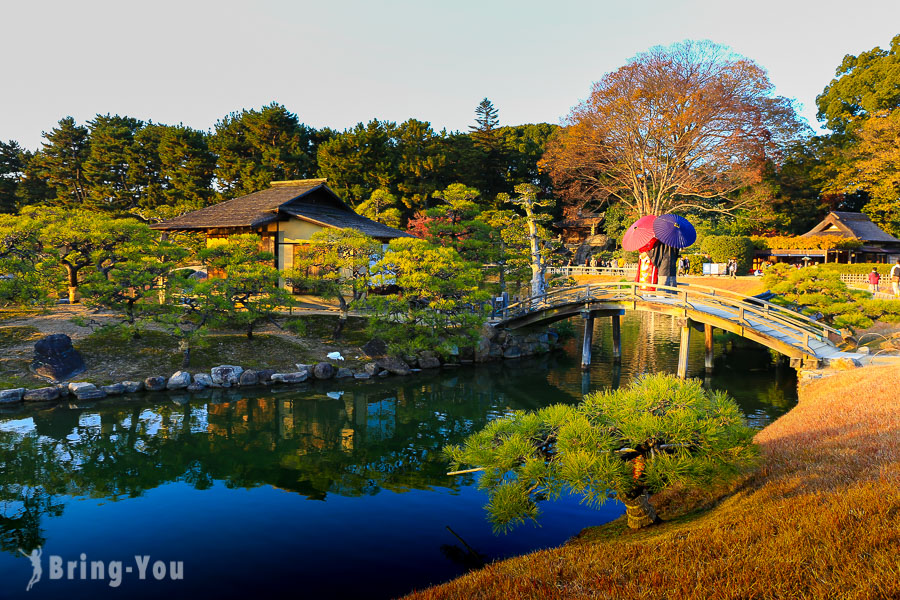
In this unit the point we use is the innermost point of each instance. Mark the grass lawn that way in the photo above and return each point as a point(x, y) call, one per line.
point(819, 519)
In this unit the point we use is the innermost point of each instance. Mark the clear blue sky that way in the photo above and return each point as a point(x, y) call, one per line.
point(338, 62)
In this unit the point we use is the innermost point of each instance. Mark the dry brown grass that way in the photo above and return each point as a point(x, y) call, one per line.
point(821, 519)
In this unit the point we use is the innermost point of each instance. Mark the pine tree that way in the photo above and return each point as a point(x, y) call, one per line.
point(11, 168)
point(624, 444)
point(61, 162)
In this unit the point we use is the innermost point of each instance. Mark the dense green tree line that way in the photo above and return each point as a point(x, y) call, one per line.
point(123, 165)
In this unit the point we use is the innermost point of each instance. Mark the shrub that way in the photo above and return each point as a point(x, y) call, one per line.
point(625, 443)
point(858, 268)
point(696, 264)
point(796, 242)
point(721, 248)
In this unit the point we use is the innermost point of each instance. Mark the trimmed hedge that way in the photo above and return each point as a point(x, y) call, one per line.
point(721, 248)
point(858, 268)
point(796, 242)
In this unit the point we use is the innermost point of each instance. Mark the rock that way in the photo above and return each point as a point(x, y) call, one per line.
point(249, 377)
point(203, 380)
point(393, 365)
point(44, 394)
point(496, 351)
point(412, 361)
point(153, 384)
point(226, 374)
point(362, 375)
point(195, 387)
point(302, 367)
point(87, 391)
point(384, 374)
point(77, 385)
point(863, 350)
point(375, 348)
point(179, 380)
point(512, 352)
point(116, 389)
point(63, 389)
point(133, 387)
point(501, 336)
point(483, 350)
point(265, 376)
point(843, 363)
point(372, 369)
point(429, 362)
point(11, 396)
point(467, 354)
point(343, 373)
point(552, 338)
point(55, 358)
point(323, 370)
point(298, 377)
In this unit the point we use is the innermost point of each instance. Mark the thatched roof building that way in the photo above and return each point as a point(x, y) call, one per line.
point(284, 216)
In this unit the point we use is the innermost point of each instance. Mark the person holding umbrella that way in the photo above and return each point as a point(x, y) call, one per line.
point(639, 237)
point(673, 232)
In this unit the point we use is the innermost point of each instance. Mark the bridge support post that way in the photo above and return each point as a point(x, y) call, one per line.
point(708, 344)
point(617, 338)
point(683, 349)
point(587, 340)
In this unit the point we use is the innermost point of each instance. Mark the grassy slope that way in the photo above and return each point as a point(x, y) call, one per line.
point(821, 519)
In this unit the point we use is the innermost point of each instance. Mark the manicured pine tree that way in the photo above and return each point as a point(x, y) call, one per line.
point(625, 444)
point(60, 162)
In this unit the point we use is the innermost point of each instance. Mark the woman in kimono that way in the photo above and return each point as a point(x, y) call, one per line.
point(647, 273)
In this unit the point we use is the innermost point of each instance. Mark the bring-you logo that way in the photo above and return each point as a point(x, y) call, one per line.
point(112, 571)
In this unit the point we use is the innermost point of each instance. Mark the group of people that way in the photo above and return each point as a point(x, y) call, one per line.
point(894, 275)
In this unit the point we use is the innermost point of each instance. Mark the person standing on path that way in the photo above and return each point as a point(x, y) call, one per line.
point(665, 259)
point(874, 280)
point(895, 279)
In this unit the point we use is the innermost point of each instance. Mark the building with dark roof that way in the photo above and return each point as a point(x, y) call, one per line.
point(876, 245)
point(284, 216)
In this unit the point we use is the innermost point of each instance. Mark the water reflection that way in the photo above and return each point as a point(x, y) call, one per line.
point(328, 445)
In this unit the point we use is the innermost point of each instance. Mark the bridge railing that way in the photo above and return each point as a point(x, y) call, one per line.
point(738, 307)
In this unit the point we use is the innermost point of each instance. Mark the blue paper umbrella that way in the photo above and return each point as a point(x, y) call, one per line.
point(674, 231)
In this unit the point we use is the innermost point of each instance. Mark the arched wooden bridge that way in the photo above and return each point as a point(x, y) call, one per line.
point(805, 341)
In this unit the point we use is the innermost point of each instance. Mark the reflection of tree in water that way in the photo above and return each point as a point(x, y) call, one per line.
point(373, 438)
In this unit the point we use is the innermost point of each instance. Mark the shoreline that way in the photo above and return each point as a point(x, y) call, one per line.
point(813, 521)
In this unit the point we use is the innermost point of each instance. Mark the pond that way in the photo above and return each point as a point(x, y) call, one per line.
point(322, 492)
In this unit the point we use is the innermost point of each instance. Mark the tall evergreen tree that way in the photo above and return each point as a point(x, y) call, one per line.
point(255, 148)
point(487, 139)
point(109, 161)
point(61, 162)
point(11, 168)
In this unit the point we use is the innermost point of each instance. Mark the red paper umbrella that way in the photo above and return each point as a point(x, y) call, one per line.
point(639, 234)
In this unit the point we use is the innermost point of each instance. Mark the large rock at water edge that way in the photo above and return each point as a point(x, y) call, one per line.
point(179, 380)
point(249, 377)
point(343, 373)
point(55, 358)
point(86, 391)
point(375, 348)
point(226, 374)
point(429, 362)
point(393, 365)
point(202, 380)
point(11, 396)
point(323, 370)
point(298, 377)
point(133, 387)
point(265, 376)
point(116, 389)
point(155, 384)
point(45, 394)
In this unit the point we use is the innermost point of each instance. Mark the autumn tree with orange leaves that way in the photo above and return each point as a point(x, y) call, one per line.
point(678, 127)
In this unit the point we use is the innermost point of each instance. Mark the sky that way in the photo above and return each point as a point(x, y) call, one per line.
point(340, 62)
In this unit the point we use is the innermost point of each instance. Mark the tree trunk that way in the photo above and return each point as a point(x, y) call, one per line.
point(538, 285)
point(639, 511)
point(250, 331)
point(185, 354)
point(342, 320)
point(72, 273)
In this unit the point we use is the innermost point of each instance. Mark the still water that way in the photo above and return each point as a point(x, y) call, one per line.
point(316, 492)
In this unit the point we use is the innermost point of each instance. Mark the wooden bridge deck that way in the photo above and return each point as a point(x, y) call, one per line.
point(784, 330)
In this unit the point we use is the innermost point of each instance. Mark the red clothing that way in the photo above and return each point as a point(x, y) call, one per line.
point(874, 278)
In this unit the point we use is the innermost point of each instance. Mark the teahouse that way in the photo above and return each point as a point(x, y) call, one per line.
point(874, 245)
point(285, 216)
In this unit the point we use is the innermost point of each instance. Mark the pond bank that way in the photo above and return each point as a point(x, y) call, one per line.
point(817, 520)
